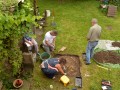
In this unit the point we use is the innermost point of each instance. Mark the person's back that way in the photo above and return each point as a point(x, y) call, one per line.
point(52, 62)
point(93, 38)
point(95, 33)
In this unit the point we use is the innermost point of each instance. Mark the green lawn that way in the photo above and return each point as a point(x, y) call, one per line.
point(73, 18)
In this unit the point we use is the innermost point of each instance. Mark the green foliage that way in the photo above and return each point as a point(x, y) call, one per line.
point(9, 38)
point(6, 80)
point(28, 6)
point(9, 2)
point(115, 2)
point(6, 4)
point(12, 29)
point(93, 86)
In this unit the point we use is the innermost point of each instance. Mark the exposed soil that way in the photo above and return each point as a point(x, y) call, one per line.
point(116, 44)
point(72, 67)
point(107, 57)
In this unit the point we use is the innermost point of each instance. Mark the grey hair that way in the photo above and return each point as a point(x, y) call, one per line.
point(94, 20)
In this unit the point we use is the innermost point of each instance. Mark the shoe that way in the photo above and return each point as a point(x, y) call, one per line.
point(87, 63)
point(53, 77)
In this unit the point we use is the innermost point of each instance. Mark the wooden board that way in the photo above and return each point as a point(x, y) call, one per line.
point(112, 10)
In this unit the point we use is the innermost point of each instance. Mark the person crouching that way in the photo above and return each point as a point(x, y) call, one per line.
point(51, 67)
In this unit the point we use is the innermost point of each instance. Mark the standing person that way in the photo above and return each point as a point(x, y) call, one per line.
point(49, 41)
point(52, 66)
point(93, 38)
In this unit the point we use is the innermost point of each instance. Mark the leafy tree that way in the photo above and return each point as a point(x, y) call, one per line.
point(6, 4)
point(12, 28)
point(115, 2)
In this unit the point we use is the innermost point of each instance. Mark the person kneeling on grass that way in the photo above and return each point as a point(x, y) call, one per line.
point(49, 41)
point(51, 67)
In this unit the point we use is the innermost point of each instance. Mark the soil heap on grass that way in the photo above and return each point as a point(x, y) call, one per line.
point(116, 44)
point(107, 57)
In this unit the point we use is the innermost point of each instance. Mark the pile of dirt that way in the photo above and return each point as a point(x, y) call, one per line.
point(72, 67)
point(116, 44)
point(107, 57)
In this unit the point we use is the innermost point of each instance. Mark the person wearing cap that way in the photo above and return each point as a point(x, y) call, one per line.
point(30, 42)
point(49, 41)
point(92, 38)
point(52, 66)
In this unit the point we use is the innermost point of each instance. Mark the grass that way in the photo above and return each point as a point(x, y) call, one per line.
point(73, 19)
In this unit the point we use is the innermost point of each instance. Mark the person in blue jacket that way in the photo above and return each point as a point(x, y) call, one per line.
point(51, 67)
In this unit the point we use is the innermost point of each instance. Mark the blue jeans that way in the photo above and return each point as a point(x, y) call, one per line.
point(89, 50)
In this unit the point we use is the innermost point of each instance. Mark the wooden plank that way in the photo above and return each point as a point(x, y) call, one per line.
point(27, 58)
point(112, 10)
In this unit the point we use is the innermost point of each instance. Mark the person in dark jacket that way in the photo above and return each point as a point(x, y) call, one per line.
point(51, 67)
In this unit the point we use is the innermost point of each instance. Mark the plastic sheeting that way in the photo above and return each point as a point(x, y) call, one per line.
point(106, 45)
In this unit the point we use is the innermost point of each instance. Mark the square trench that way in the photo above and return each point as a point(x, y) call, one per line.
point(72, 66)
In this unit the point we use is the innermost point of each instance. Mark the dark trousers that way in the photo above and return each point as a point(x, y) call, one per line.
point(49, 72)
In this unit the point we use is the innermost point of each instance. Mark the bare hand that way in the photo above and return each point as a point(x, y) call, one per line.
point(65, 73)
